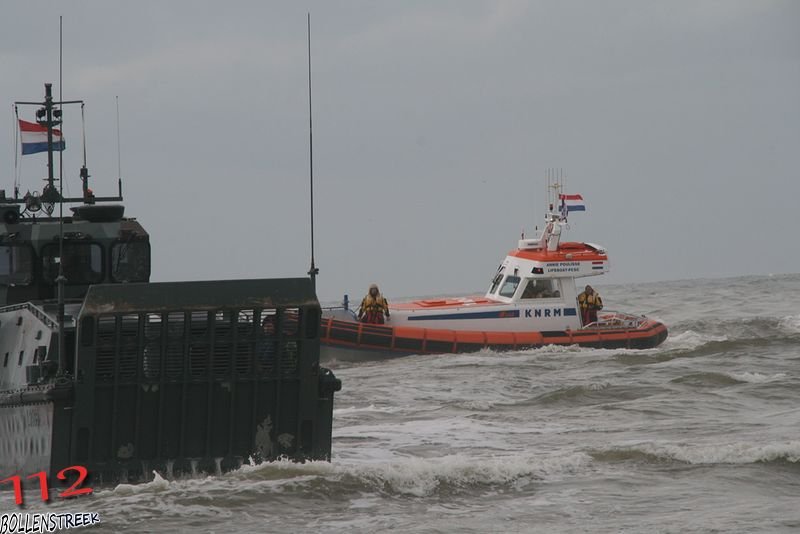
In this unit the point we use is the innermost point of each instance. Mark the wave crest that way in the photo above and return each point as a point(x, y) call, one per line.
point(790, 324)
point(415, 476)
point(728, 453)
point(739, 329)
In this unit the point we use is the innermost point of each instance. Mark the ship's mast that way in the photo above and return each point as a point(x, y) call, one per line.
point(555, 186)
point(60, 279)
point(554, 219)
point(49, 116)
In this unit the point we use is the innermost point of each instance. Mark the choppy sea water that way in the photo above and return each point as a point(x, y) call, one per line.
point(701, 434)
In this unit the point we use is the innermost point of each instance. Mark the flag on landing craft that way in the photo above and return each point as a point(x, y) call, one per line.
point(34, 138)
point(571, 203)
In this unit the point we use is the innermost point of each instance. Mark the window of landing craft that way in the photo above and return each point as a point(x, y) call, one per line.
point(130, 261)
point(509, 286)
point(83, 262)
point(16, 265)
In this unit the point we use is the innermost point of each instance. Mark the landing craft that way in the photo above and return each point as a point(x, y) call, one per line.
point(103, 369)
point(532, 301)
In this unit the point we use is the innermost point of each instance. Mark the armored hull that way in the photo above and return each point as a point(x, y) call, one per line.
point(177, 377)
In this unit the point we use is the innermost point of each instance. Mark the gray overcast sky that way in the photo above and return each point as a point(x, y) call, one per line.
point(434, 123)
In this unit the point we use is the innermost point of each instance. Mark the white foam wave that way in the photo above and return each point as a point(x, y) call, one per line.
point(790, 324)
point(756, 378)
point(280, 472)
point(414, 476)
point(575, 352)
point(690, 340)
point(546, 351)
point(156, 485)
point(166, 498)
point(423, 476)
point(286, 466)
point(489, 356)
point(555, 349)
point(362, 409)
point(728, 453)
point(479, 405)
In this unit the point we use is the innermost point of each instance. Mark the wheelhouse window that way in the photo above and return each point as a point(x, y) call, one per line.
point(16, 265)
point(541, 289)
point(83, 262)
point(509, 286)
point(496, 280)
point(130, 261)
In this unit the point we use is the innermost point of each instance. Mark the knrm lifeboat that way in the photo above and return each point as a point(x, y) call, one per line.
point(532, 301)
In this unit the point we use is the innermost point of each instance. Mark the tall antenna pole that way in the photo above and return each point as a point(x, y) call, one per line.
point(313, 271)
point(60, 279)
point(61, 99)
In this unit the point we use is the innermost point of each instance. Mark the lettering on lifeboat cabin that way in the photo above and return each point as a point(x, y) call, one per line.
point(563, 267)
point(546, 312)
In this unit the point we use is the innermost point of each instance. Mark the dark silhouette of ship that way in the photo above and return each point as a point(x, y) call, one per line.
point(101, 368)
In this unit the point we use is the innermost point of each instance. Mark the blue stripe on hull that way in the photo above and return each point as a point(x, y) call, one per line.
point(502, 314)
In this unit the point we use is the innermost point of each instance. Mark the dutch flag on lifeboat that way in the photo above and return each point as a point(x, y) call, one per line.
point(571, 203)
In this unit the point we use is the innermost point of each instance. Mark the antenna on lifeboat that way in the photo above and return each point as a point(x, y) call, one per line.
point(552, 192)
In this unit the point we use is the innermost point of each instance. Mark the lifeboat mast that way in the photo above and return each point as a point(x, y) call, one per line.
point(550, 237)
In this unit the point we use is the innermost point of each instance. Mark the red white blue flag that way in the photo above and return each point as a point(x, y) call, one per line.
point(571, 203)
point(34, 138)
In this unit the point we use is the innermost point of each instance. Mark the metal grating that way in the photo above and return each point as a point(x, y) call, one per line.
point(198, 345)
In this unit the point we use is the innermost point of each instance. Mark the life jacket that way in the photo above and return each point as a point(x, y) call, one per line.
point(590, 302)
point(376, 305)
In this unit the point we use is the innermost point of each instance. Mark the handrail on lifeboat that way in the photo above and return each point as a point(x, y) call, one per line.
point(610, 319)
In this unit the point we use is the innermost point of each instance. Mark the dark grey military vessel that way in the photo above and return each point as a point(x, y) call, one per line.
point(103, 369)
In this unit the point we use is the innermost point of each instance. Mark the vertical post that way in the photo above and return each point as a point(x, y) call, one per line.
point(60, 279)
point(84, 173)
point(313, 271)
point(119, 155)
point(62, 358)
point(48, 106)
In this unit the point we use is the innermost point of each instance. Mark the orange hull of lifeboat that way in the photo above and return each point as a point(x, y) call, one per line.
point(399, 340)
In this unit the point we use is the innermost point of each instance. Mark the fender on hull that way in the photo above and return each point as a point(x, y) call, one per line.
point(348, 340)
